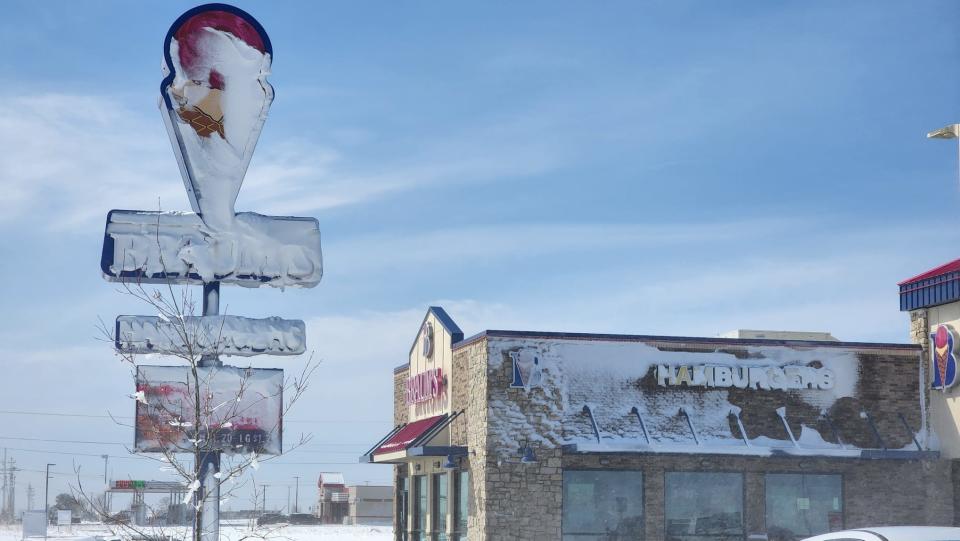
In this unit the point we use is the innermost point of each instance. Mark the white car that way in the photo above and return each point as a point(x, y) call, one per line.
point(892, 533)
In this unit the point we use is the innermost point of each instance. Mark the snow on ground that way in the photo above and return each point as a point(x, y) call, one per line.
point(228, 533)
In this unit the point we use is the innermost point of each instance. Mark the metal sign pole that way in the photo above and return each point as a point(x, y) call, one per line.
point(208, 519)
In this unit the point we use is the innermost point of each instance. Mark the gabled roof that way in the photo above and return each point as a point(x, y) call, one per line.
point(444, 319)
point(936, 286)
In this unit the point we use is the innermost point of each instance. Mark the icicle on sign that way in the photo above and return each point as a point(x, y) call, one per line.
point(214, 99)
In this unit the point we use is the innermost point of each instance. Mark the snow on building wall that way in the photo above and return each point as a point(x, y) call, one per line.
point(711, 383)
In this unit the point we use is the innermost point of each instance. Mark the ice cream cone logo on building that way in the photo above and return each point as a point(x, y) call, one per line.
point(944, 358)
point(216, 97)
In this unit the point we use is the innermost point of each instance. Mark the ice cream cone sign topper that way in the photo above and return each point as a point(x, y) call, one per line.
point(215, 98)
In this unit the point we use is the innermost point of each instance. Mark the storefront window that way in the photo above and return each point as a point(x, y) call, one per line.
point(403, 493)
point(803, 505)
point(704, 506)
point(602, 505)
point(420, 507)
point(440, 507)
point(461, 510)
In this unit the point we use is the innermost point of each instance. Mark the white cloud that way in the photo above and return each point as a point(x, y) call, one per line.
point(68, 159)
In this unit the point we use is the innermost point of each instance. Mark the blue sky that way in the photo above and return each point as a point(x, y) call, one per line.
point(641, 167)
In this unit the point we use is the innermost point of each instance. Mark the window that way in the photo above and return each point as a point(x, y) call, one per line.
point(701, 506)
point(602, 505)
point(403, 492)
point(420, 507)
point(461, 509)
point(439, 513)
point(803, 505)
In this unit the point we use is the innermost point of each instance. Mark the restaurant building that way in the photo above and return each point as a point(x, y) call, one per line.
point(933, 301)
point(511, 435)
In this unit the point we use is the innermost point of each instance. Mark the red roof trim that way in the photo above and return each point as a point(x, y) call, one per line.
point(407, 435)
point(952, 266)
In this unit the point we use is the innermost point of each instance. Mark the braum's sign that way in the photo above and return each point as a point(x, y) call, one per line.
point(214, 101)
point(745, 377)
point(424, 387)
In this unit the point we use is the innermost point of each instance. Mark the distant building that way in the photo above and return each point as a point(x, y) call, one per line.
point(371, 505)
point(332, 498)
point(751, 334)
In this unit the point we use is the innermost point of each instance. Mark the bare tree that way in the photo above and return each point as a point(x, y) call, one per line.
point(191, 409)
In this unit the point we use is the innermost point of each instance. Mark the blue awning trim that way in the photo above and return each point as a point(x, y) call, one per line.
point(929, 292)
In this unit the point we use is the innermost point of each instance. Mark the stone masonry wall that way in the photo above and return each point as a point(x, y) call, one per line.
point(524, 501)
point(469, 390)
point(399, 417)
point(919, 334)
point(399, 405)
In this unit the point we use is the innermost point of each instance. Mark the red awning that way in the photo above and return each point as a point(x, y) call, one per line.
point(407, 435)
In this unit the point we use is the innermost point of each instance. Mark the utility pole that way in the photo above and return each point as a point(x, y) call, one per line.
point(11, 498)
point(105, 458)
point(30, 495)
point(263, 506)
point(288, 499)
point(46, 500)
point(3, 490)
point(296, 499)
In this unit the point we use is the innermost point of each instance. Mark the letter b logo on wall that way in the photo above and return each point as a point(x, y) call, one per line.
point(527, 371)
point(944, 358)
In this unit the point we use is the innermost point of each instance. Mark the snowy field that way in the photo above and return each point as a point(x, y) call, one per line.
point(227, 532)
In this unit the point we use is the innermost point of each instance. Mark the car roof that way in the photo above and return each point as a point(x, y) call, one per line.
point(894, 533)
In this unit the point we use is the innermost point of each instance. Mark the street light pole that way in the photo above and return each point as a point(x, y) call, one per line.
point(46, 500)
point(296, 498)
point(105, 458)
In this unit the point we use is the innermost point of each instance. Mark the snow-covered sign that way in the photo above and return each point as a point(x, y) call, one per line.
point(64, 517)
point(180, 247)
point(210, 335)
point(34, 524)
point(214, 99)
point(240, 409)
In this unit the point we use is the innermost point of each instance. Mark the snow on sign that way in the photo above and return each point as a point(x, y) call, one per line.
point(181, 247)
point(210, 335)
point(214, 99)
point(240, 409)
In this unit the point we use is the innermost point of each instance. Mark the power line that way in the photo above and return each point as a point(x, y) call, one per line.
point(63, 441)
point(57, 473)
point(98, 455)
point(127, 444)
point(93, 416)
